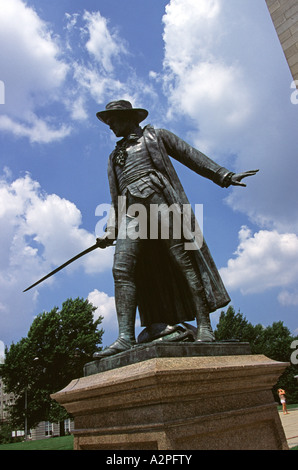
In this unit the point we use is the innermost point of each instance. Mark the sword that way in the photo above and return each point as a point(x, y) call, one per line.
point(91, 248)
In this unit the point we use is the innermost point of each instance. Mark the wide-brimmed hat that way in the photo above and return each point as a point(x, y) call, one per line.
point(122, 108)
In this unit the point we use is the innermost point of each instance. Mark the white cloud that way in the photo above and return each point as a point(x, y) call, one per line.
point(94, 71)
point(44, 227)
point(199, 81)
point(107, 309)
point(96, 84)
point(263, 260)
point(105, 306)
point(31, 69)
point(71, 21)
point(77, 107)
point(235, 86)
point(189, 29)
point(99, 78)
point(30, 57)
point(102, 44)
point(36, 130)
point(288, 298)
point(38, 69)
point(38, 233)
point(207, 92)
point(42, 70)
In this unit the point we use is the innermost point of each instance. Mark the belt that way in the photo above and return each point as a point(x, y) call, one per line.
point(129, 179)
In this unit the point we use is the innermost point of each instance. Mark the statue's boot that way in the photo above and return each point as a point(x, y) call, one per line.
point(120, 345)
point(204, 329)
point(125, 298)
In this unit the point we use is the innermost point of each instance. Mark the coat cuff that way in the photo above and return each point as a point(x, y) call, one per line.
point(227, 179)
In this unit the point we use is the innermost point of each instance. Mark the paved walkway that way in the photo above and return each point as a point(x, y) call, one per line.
point(290, 425)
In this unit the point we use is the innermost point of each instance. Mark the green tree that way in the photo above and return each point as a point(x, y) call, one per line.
point(273, 341)
point(276, 343)
point(234, 326)
point(5, 433)
point(54, 352)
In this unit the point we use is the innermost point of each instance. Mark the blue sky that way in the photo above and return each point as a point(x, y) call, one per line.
point(211, 71)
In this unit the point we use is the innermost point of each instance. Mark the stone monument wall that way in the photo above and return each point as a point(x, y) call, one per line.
point(284, 14)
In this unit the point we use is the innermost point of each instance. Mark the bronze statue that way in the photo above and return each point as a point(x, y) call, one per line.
point(168, 283)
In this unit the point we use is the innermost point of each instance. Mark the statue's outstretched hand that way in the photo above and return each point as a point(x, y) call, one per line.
point(236, 179)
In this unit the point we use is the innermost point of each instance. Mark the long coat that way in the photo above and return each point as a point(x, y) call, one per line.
point(163, 295)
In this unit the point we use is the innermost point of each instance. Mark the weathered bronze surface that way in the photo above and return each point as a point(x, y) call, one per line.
point(168, 283)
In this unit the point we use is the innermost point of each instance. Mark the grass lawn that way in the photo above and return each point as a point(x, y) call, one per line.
point(53, 443)
point(64, 443)
point(289, 406)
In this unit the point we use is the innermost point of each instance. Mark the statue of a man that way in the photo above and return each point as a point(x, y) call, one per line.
point(168, 283)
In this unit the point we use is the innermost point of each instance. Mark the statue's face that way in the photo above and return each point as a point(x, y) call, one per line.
point(121, 127)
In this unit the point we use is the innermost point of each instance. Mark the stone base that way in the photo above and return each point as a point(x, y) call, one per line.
point(178, 403)
point(158, 348)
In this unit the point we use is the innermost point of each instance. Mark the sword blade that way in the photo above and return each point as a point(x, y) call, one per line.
point(91, 248)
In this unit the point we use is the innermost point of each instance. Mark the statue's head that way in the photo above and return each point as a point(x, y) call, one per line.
point(121, 117)
point(122, 109)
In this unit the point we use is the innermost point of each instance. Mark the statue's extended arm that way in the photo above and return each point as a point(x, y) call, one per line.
point(200, 163)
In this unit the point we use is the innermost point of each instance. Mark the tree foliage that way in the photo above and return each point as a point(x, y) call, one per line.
point(54, 352)
point(273, 341)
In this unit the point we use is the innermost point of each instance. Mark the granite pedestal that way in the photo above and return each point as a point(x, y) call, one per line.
point(177, 397)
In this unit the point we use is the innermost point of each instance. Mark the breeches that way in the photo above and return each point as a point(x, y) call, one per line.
point(128, 246)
